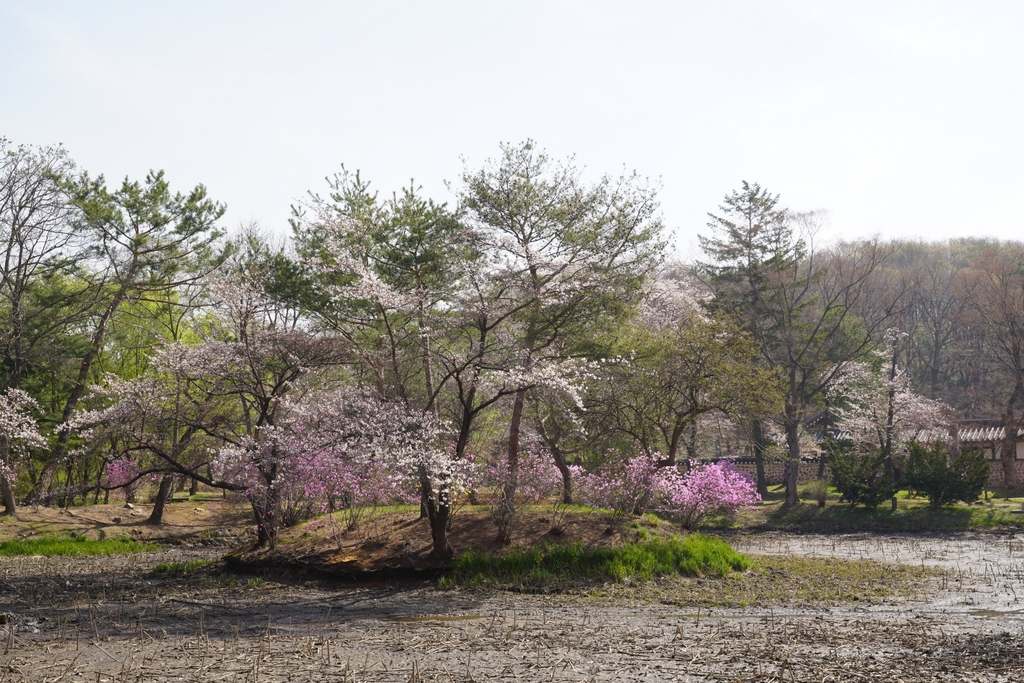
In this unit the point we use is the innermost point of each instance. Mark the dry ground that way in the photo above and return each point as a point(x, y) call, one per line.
point(183, 519)
point(110, 619)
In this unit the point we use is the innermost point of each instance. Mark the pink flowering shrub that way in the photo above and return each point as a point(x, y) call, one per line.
point(626, 486)
point(121, 472)
point(707, 489)
point(636, 484)
point(538, 478)
point(333, 481)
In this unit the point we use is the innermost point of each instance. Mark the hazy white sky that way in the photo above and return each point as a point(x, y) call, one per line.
point(899, 118)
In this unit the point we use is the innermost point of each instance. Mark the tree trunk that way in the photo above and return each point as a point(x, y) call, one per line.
point(890, 419)
point(156, 517)
point(6, 488)
point(793, 461)
point(508, 490)
point(563, 467)
point(7, 492)
point(266, 530)
point(757, 432)
point(438, 515)
point(61, 446)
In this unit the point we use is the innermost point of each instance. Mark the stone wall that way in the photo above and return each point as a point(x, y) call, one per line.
point(774, 469)
point(995, 477)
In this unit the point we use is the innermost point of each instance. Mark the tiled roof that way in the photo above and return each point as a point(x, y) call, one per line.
point(970, 435)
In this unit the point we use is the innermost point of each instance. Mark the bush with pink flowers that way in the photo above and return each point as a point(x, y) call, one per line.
point(537, 478)
point(630, 486)
point(705, 490)
point(624, 485)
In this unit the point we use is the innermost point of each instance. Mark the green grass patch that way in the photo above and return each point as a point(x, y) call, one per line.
point(172, 569)
point(910, 516)
point(913, 515)
point(223, 580)
point(783, 581)
point(694, 555)
point(72, 545)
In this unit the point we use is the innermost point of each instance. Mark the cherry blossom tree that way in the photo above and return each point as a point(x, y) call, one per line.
point(145, 241)
point(561, 257)
point(877, 407)
point(18, 435)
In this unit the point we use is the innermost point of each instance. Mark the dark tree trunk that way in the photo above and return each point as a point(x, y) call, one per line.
point(6, 487)
point(7, 492)
point(757, 432)
point(508, 490)
point(81, 382)
point(793, 461)
point(563, 467)
point(156, 517)
point(438, 515)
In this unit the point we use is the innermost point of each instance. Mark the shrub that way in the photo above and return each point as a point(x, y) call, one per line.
point(942, 480)
point(537, 479)
point(708, 489)
point(637, 484)
point(818, 491)
point(623, 485)
point(860, 477)
point(172, 569)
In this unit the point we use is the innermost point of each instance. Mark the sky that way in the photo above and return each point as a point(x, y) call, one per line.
point(900, 119)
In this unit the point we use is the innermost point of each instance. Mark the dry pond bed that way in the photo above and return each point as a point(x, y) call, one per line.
point(111, 619)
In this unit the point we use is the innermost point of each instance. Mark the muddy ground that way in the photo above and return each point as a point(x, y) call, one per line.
point(110, 619)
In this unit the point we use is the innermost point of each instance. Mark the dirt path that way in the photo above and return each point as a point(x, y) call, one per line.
point(110, 620)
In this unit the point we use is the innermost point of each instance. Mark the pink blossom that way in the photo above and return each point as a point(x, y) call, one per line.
point(537, 478)
point(121, 472)
point(705, 490)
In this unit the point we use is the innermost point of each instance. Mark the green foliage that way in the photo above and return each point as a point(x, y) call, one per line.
point(178, 568)
point(944, 481)
point(63, 545)
point(860, 477)
point(818, 491)
point(680, 372)
point(694, 555)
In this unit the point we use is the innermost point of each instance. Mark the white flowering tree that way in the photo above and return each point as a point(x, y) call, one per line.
point(562, 257)
point(18, 435)
point(146, 242)
point(877, 407)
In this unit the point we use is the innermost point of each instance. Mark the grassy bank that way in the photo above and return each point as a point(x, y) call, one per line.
point(912, 515)
point(572, 564)
point(65, 545)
